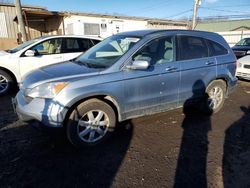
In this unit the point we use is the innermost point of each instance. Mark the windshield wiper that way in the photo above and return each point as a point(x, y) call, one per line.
point(90, 65)
point(82, 63)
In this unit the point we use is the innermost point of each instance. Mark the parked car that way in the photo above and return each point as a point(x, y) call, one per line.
point(125, 76)
point(16, 62)
point(242, 48)
point(243, 67)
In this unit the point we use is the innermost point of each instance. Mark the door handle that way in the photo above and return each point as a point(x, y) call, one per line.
point(171, 68)
point(210, 63)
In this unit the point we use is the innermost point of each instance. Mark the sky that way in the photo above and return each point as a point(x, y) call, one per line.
point(166, 9)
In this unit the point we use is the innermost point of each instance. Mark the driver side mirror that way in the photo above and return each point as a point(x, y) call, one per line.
point(139, 65)
point(29, 53)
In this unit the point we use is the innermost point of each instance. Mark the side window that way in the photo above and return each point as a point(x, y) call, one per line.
point(48, 47)
point(247, 42)
point(73, 45)
point(158, 51)
point(192, 48)
point(216, 49)
point(94, 42)
point(78, 45)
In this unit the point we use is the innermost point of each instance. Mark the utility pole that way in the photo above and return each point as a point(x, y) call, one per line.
point(20, 20)
point(196, 4)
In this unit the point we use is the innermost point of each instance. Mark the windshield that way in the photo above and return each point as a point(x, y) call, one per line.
point(23, 45)
point(244, 42)
point(107, 52)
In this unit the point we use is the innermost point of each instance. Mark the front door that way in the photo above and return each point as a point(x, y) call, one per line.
point(155, 89)
point(46, 53)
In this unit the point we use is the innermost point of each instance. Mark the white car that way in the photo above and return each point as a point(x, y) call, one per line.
point(243, 67)
point(36, 53)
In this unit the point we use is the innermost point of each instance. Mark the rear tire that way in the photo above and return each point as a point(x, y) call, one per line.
point(90, 123)
point(6, 82)
point(216, 91)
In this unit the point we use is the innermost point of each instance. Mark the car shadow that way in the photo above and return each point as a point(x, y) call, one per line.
point(6, 110)
point(236, 157)
point(192, 160)
point(49, 160)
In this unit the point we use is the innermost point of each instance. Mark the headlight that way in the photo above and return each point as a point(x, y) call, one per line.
point(48, 90)
point(239, 64)
point(248, 52)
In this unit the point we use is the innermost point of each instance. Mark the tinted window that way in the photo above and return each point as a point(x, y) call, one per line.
point(78, 45)
point(244, 42)
point(192, 48)
point(74, 45)
point(52, 46)
point(157, 51)
point(216, 49)
point(94, 42)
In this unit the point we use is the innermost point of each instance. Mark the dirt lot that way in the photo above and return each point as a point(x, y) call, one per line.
point(163, 150)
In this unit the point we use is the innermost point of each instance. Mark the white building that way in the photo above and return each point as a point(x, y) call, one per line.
point(107, 25)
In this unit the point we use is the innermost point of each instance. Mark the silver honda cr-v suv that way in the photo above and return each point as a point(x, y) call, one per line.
point(125, 76)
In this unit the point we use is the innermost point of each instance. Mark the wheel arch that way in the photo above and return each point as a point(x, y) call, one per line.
point(10, 73)
point(225, 80)
point(105, 98)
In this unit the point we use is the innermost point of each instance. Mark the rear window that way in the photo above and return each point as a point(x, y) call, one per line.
point(216, 49)
point(78, 45)
point(192, 48)
point(94, 42)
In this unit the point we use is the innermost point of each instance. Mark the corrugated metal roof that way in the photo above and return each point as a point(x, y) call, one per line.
point(40, 14)
point(23, 6)
point(152, 20)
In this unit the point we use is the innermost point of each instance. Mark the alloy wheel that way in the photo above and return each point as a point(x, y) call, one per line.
point(93, 126)
point(4, 84)
point(216, 96)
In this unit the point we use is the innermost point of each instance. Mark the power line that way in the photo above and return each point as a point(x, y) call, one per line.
point(220, 10)
point(152, 7)
point(180, 13)
point(246, 5)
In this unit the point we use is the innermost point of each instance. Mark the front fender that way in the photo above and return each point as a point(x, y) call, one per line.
point(112, 92)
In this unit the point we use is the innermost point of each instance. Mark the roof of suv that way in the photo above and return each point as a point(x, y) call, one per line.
point(208, 35)
point(142, 33)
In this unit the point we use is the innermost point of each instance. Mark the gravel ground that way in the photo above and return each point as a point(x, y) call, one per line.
point(170, 149)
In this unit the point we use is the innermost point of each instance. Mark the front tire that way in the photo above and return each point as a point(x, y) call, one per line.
point(6, 82)
point(90, 123)
point(216, 91)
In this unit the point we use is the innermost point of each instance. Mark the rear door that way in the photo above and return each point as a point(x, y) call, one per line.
point(197, 68)
point(73, 47)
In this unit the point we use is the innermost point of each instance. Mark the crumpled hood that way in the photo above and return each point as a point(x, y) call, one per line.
point(58, 72)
